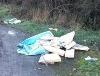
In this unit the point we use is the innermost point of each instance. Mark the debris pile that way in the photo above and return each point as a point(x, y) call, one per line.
point(50, 47)
point(12, 21)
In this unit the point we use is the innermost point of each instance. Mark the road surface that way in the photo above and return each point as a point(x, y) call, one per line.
point(14, 64)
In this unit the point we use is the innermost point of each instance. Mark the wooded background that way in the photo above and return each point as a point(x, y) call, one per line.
point(68, 13)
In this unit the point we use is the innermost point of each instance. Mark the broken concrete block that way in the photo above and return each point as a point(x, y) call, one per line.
point(68, 38)
point(54, 50)
point(70, 53)
point(68, 46)
point(55, 42)
point(80, 47)
point(49, 58)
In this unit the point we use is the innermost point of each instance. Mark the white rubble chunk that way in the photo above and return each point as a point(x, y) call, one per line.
point(67, 38)
point(5, 22)
point(80, 47)
point(68, 46)
point(70, 53)
point(49, 58)
point(13, 19)
point(55, 50)
point(17, 21)
point(55, 42)
point(54, 29)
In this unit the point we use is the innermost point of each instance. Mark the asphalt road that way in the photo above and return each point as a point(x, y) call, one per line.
point(14, 64)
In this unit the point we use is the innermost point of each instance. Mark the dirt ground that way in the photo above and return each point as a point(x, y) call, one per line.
point(14, 64)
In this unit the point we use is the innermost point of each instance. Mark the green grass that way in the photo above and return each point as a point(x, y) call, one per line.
point(89, 38)
point(35, 28)
point(87, 68)
point(3, 11)
point(31, 27)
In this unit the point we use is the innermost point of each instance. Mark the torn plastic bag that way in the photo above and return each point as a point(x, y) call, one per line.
point(31, 50)
point(31, 45)
point(33, 39)
point(80, 47)
point(49, 58)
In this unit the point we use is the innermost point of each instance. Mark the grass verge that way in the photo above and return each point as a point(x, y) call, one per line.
point(3, 11)
point(89, 38)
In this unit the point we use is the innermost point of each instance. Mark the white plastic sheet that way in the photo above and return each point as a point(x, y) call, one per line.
point(12, 21)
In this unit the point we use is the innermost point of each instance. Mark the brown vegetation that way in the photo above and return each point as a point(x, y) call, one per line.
point(61, 12)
